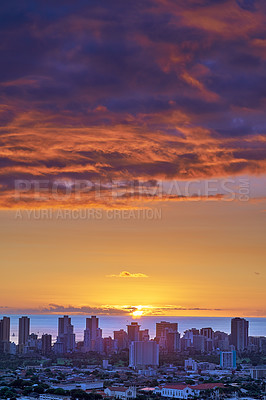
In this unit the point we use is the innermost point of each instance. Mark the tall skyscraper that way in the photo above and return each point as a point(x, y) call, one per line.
point(163, 325)
point(208, 334)
point(173, 342)
point(87, 341)
point(93, 335)
point(167, 336)
point(24, 331)
point(239, 333)
point(4, 334)
point(46, 344)
point(99, 341)
point(133, 332)
point(66, 334)
point(121, 339)
point(92, 324)
point(143, 354)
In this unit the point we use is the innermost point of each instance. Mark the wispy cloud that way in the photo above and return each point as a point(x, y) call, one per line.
point(103, 309)
point(127, 310)
point(126, 274)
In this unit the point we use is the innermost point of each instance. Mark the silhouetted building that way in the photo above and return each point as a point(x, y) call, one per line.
point(66, 335)
point(92, 334)
point(99, 341)
point(23, 332)
point(221, 341)
point(46, 344)
point(144, 335)
point(163, 325)
point(167, 336)
point(133, 332)
point(87, 341)
point(33, 344)
point(199, 343)
point(207, 332)
point(239, 333)
point(5, 335)
point(188, 338)
point(109, 346)
point(121, 339)
point(92, 324)
point(173, 342)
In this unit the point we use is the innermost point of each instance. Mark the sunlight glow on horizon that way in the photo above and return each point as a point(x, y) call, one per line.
point(139, 312)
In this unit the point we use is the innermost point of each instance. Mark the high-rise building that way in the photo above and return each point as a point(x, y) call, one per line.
point(173, 342)
point(5, 334)
point(207, 332)
point(199, 343)
point(144, 335)
point(99, 341)
point(109, 346)
point(93, 335)
point(66, 334)
point(228, 359)
point(239, 333)
point(143, 354)
point(46, 344)
point(167, 336)
point(87, 341)
point(92, 324)
point(23, 331)
point(163, 325)
point(188, 338)
point(221, 341)
point(133, 332)
point(121, 339)
point(32, 344)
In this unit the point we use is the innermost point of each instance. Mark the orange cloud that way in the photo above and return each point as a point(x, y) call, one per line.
point(182, 99)
point(126, 274)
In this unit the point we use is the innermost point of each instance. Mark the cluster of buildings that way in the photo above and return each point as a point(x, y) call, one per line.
point(180, 391)
point(122, 382)
point(27, 341)
point(143, 351)
point(206, 340)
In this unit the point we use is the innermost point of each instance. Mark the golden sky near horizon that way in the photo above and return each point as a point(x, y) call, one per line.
point(200, 258)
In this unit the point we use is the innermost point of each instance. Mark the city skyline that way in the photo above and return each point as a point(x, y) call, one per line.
point(199, 362)
point(239, 336)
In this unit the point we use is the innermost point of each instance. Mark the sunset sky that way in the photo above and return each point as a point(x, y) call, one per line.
point(119, 107)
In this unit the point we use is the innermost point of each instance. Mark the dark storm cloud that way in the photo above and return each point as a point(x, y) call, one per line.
point(111, 90)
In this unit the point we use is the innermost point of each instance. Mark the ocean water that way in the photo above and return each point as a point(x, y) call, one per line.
point(40, 324)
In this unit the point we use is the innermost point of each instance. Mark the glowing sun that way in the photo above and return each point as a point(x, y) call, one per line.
point(138, 312)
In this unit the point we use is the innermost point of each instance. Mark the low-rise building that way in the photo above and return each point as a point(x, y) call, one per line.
point(258, 372)
point(186, 391)
point(121, 392)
